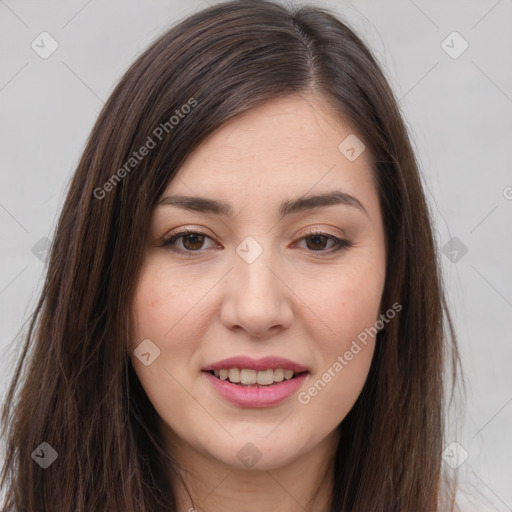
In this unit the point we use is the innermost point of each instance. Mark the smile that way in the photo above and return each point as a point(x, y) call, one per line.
point(255, 395)
point(250, 377)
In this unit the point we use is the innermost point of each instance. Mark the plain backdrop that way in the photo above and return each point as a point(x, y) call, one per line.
point(450, 65)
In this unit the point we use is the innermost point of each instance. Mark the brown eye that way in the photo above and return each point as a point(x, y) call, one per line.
point(318, 242)
point(191, 241)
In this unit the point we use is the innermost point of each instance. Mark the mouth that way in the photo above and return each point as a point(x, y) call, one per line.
point(255, 388)
point(246, 377)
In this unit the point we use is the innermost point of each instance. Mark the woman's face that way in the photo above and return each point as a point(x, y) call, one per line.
point(273, 277)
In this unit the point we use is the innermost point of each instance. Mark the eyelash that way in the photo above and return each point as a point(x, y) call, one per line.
point(168, 242)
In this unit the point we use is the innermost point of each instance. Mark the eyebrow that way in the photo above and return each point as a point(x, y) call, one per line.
point(287, 207)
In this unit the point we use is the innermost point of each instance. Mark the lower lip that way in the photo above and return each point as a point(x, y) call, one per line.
point(256, 396)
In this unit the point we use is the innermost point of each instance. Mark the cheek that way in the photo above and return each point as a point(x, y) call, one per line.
point(170, 314)
point(163, 312)
point(349, 309)
point(346, 303)
point(167, 310)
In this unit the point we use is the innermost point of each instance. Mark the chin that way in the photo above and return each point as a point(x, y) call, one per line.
point(256, 453)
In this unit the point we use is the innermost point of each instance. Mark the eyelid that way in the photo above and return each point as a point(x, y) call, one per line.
point(190, 229)
point(320, 231)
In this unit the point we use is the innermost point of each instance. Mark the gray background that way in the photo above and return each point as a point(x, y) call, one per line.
point(458, 111)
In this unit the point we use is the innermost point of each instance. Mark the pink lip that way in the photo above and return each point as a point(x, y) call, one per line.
point(255, 396)
point(265, 363)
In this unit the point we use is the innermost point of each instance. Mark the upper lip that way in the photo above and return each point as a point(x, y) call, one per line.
point(264, 363)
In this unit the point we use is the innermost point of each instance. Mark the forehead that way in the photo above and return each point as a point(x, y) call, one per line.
point(285, 146)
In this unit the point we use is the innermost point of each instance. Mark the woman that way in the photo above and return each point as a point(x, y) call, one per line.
point(243, 308)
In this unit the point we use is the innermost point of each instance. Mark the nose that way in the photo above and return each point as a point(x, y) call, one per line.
point(257, 298)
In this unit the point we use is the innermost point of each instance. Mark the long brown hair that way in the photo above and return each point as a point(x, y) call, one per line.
point(74, 387)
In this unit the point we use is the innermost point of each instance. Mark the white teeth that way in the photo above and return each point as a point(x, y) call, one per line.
point(234, 375)
point(265, 377)
point(278, 375)
point(249, 377)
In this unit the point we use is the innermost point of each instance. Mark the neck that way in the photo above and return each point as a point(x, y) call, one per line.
point(208, 485)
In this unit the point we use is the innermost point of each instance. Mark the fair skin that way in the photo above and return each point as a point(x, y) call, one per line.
point(299, 299)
